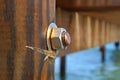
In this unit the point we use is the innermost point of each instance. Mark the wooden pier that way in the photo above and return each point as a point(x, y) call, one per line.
point(91, 23)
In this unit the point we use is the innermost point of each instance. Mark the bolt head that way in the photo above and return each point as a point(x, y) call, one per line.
point(60, 39)
point(66, 39)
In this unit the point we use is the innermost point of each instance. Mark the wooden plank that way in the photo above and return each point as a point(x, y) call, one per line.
point(96, 35)
point(88, 31)
point(25, 22)
point(108, 32)
point(116, 33)
point(102, 33)
point(89, 5)
point(112, 33)
point(77, 30)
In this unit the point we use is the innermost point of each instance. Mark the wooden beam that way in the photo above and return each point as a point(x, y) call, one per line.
point(108, 32)
point(63, 67)
point(89, 5)
point(96, 35)
point(25, 22)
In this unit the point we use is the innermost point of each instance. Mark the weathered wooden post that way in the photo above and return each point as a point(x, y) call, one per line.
point(108, 32)
point(116, 36)
point(75, 31)
point(96, 36)
point(102, 41)
point(25, 22)
point(63, 67)
point(102, 49)
point(88, 32)
point(112, 33)
point(117, 44)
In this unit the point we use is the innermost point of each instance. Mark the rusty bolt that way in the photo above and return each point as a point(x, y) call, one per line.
point(60, 38)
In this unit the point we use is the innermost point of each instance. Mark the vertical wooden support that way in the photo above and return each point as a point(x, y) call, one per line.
point(82, 30)
point(62, 67)
point(107, 32)
point(102, 33)
point(111, 32)
point(96, 33)
point(92, 31)
point(116, 37)
point(102, 40)
point(77, 31)
point(88, 32)
point(115, 33)
point(102, 49)
point(25, 22)
point(118, 30)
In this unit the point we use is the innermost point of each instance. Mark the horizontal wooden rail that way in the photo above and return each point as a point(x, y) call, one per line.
point(89, 5)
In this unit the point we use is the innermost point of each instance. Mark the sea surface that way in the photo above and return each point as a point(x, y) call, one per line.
point(87, 65)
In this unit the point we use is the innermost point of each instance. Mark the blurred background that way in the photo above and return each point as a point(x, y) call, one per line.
point(94, 50)
point(87, 65)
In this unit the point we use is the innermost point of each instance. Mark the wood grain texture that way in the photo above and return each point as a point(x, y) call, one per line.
point(102, 32)
point(25, 22)
point(95, 34)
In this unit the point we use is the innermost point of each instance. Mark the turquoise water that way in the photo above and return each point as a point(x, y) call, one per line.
point(86, 65)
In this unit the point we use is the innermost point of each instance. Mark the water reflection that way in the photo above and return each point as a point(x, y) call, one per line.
point(86, 65)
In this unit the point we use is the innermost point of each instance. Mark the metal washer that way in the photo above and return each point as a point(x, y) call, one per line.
point(52, 25)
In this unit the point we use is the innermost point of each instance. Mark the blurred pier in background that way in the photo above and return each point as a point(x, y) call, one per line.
point(87, 65)
point(91, 24)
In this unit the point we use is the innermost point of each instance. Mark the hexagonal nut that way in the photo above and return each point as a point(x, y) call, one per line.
point(56, 38)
